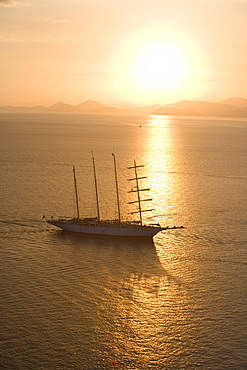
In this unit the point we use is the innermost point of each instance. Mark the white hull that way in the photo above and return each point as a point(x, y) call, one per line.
point(116, 230)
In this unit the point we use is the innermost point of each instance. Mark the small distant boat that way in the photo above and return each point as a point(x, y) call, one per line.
point(117, 227)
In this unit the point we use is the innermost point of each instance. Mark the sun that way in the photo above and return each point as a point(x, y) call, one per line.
point(156, 65)
point(160, 66)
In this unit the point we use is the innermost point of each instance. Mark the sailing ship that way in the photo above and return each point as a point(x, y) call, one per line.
point(116, 227)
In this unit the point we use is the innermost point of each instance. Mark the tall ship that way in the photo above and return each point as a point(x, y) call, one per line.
point(117, 227)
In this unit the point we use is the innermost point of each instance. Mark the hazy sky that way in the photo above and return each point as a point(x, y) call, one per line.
point(122, 51)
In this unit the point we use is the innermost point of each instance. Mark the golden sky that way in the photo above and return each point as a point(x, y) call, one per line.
point(118, 52)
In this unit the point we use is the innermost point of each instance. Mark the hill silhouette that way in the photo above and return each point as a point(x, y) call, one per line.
point(233, 107)
point(237, 102)
point(204, 108)
point(171, 111)
point(88, 106)
point(61, 107)
point(142, 109)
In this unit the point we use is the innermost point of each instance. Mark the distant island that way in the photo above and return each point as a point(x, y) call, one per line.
point(233, 107)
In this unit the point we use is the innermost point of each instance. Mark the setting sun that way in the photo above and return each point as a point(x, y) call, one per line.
point(157, 64)
point(160, 66)
point(122, 52)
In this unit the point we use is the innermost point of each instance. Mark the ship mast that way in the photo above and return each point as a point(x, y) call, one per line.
point(138, 190)
point(117, 191)
point(96, 188)
point(76, 195)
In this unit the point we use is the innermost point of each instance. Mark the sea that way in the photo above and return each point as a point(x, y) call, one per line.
point(70, 301)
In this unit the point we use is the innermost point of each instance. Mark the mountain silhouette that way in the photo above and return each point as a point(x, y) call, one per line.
point(202, 108)
point(88, 106)
point(61, 107)
point(233, 107)
point(237, 102)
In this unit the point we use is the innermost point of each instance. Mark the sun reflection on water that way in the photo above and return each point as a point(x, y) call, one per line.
point(146, 303)
point(161, 155)
point(159, 120)
point(154, 318)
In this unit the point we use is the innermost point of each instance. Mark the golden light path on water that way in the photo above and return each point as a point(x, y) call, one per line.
point(164, 164)
point(150, 312)
point(157, 317)
point(167, 184)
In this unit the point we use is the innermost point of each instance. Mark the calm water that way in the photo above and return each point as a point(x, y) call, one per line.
point(76, 302)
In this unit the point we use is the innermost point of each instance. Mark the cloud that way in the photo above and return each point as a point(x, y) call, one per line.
point(16, 37)
point(12, 3)
point(7, 2)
